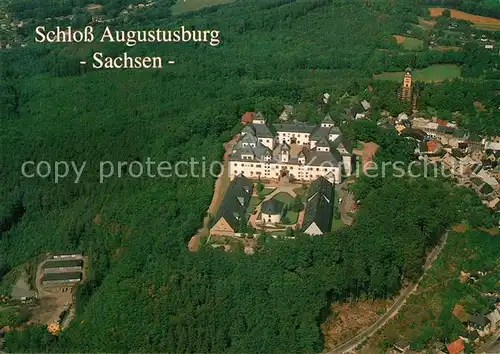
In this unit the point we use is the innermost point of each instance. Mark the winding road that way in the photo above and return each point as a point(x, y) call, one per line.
point(350, 345)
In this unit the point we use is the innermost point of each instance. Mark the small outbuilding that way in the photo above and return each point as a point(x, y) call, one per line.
point(271, 211)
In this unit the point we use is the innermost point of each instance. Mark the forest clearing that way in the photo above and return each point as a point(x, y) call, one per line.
point(183, 6)
point(433, 73)
point(409, 43)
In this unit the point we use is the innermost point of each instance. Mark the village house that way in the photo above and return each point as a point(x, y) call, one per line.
point(319, 209)
point(470, 337)
point(401, 347)
point(438, 347)
point(366, 105)
point(231, 214)
point(296, 150)
point(456, 347)
point(479, 323)
point(494, 318)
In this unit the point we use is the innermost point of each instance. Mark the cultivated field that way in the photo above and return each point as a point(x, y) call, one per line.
point(409, 43)
point(482, 22)
point(192, 5)
point(433, 73)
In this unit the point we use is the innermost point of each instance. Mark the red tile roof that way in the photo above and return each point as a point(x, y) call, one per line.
point(442, 122)
point(432, 146)
point(456, 347)
point(247, 117)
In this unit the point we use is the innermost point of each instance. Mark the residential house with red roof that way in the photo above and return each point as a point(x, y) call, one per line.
point(457, 347)
point(247, 118)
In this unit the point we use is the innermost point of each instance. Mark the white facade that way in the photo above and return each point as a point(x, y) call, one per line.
point(273, 170)
point(293, 138)
point(271, 218)
point(260, 155)
point(313, 229)
point(268, 142)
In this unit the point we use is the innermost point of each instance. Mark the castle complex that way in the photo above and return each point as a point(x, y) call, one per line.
point(296, 150)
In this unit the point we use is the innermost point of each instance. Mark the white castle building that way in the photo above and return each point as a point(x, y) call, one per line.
point(296, 150)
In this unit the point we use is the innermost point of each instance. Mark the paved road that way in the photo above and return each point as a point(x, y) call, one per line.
point(352, 343)
point(492, 346)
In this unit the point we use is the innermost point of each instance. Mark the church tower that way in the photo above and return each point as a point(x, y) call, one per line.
point(407, 91)
point(407, 86)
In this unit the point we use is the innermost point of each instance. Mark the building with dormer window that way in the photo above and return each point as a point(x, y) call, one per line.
point(299, 151)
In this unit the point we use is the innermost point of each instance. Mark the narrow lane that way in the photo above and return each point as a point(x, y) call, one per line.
point(351, 344)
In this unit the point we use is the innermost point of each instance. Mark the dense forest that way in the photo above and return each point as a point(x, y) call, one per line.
point(145, 292)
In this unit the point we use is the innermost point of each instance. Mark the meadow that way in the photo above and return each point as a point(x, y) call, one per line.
point(183, 6)
point(409, 43)
point(433, 73)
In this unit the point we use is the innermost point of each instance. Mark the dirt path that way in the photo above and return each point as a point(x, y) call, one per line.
point(219, 190)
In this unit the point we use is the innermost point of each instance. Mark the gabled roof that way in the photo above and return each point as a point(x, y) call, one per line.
point(297, 127)
point(247, 117)
point(445, 130)
point(460, 313)
point(259, 115)
point(342, 142)
point(327, 119)
point(323, 142)
point(320, 132)
point(418, 134)
point(285, 147)
point(319, 208)
point(247, 150)
point(249, 138)
point(262, 131)
point(456, 347)
point(235, 202)
point(248, 129)
point(258, 152)
point(402, 344)
point(479, 320)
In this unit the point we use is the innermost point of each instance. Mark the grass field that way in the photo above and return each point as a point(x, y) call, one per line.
point(292, 216)
point(193, 5)
point(266, 191)
point(409, 43)
point(254, 201)
point(433, 73)
point(482, 22)
point(283, 197)
point(425, 24)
